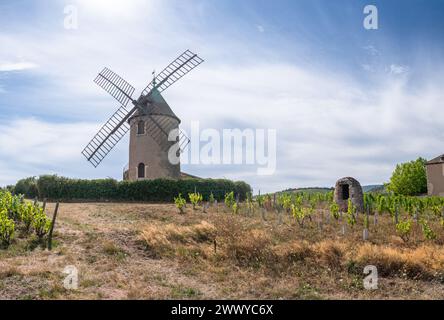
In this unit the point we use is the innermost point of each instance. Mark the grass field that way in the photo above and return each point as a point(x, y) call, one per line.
point(150, 251)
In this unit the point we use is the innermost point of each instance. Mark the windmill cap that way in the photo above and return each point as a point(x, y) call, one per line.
point(158, 106)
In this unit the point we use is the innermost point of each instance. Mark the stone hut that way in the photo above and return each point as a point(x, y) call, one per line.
point(349, 188)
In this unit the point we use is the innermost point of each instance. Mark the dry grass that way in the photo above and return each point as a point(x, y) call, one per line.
point(424, 262)
point(149, 251)
point(162, 239)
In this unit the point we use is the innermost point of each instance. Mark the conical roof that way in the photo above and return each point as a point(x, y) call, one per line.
point(159, 106)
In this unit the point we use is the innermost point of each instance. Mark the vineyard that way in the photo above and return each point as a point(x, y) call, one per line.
point(21, 219)
point(289, 245)
point(319, 208)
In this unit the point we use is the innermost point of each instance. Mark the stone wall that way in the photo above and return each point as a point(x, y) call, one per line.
point(435, 179)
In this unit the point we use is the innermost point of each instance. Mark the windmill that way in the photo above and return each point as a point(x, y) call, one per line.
point(150, 122)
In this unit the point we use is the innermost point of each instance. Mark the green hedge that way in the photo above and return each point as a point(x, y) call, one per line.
point(58, 188)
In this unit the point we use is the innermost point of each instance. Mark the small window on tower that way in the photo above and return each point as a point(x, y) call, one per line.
point(141, 127)
point(141, 170)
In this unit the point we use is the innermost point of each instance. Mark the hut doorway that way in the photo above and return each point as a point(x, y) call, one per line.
point(345, 191)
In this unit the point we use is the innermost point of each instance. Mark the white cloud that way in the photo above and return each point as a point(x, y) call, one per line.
point(115, 8)
point(17, 66)
point(398, 69)
point(31, 141)
point(32, 147)
point(371, 49)
point(260, 28)
point(327, 126)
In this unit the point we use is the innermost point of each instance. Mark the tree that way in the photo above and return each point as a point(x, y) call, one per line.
point(409, 178)
point(27, 187)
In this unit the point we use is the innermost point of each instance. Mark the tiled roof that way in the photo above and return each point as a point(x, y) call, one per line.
point(437, 160)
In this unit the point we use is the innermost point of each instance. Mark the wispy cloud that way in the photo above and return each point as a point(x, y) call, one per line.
point(398, 69)
point(17, 66)
point(33, 146)
point(371, 49)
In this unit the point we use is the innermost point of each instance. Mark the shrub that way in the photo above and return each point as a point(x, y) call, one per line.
point(229, 199)
point(351, 213)
point(15, 213)
point(180, 202)
point(299, 213)
point(428, 233)
point(40, 223)
point(403, 228)
point(284, 200)
point(250, 202)
point(7, 227)
point(195, 199)
point(334, 210)
point(260, 201)
point(27, 215)
point(235, 208)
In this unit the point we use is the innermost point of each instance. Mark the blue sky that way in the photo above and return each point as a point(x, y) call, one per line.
point(344, 100)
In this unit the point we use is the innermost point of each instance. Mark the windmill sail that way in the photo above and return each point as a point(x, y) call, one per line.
point(159, 128)
point(107, 137)
point(116, 86)
point(161, 118)
point(183, 141)
point(186, 62)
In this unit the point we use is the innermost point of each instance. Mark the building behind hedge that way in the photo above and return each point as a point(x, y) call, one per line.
point(435, 176)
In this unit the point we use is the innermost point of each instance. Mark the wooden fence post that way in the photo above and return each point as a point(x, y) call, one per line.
point(274, 200)
point(52, 226)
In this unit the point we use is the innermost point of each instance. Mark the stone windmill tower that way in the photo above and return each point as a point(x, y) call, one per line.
point(154, 128)
point(148, 159)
